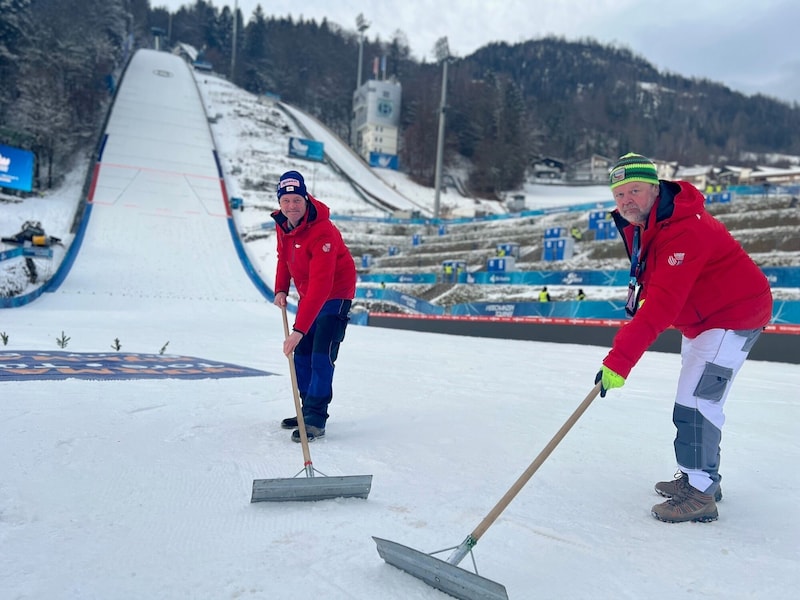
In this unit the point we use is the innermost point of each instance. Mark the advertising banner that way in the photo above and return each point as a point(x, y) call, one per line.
point(16, 168)
point(31, 364)
point(383, 160)
point(306, 149)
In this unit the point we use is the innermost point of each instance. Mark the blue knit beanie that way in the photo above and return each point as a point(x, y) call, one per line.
point(292, 182)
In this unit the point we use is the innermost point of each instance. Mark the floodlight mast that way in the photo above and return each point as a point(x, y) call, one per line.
point(233, 42)
point(362, 25)
point(442, 50)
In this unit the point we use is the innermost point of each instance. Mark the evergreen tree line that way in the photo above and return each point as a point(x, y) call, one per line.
point(507, 104)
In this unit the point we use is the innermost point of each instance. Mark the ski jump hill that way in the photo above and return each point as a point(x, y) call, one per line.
point(158, 222)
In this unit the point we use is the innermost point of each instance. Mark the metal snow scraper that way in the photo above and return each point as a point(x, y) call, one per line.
point(309, 487)
point(445, 575)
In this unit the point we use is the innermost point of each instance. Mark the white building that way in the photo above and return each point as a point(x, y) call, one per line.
point(376, 118)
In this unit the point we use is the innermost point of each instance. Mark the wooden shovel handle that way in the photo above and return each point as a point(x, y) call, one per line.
point(534, 466)
point(301, 424)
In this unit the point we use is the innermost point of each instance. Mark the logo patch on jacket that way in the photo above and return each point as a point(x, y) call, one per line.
point(676, 259)
point(326, 247)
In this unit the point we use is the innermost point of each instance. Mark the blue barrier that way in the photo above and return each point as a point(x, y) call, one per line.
point(463, 220)
point(778, 277)
point(538, 278)
point(586, 309)
point(416, 304)
point(8, 254)
point(37, 251)
point(719, 197)
point(784, 312)
point(761, 190)
point(424, 278)
point(782, 277)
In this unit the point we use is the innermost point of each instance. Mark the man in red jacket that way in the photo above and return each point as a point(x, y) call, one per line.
point(688, 272)
point(312, 253)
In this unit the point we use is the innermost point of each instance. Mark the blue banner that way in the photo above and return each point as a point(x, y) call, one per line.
point(37, 251)
point(30, 364)
point(16, 168)
point(384, 161)
point(779, 277)
point(579, 278)
point(307, 149)
point(587, 309)
point(764, 189)
point(13, 253)
point(783, 313)
point(786, 312)
point(415, 304)
point(406, 278)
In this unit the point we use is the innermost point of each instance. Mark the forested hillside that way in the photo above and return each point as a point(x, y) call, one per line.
point(507, 103)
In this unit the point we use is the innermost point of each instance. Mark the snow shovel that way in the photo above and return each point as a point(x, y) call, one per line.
point(445, 575)
point(308, 487)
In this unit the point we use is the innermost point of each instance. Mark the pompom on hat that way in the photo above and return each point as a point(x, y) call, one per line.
point(292, 182)
point(632, 167)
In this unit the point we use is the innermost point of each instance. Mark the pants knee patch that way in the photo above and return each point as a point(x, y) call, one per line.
point(696, 441)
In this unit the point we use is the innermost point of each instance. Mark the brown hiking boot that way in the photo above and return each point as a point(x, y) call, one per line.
point(688, 505)
point(668, 489)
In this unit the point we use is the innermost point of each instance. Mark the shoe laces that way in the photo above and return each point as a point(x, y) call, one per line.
point(683, 488)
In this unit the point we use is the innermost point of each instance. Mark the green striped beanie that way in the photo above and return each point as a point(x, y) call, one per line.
point(632, 167)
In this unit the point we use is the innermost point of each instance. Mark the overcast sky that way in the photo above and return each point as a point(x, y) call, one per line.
point(747, 45)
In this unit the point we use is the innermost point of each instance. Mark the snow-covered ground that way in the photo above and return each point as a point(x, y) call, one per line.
point(120, 483)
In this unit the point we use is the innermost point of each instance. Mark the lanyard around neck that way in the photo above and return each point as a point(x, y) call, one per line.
point(636, 263)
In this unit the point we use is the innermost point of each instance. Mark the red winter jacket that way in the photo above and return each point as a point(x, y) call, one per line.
point(695, 277)
point(314, 255)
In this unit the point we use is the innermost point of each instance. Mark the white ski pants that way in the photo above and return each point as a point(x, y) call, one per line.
point(709, 363)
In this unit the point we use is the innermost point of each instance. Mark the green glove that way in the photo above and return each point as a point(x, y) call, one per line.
point(608, 380)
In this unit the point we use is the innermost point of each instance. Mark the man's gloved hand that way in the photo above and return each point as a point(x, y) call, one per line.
point(608, 380)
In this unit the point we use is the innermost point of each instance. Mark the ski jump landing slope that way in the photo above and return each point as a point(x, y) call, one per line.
point(158, 225)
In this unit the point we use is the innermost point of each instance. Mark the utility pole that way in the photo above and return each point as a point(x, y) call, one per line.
point(442, 50)
point(233, 50)
point(362, 25)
